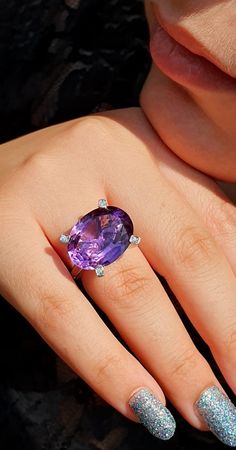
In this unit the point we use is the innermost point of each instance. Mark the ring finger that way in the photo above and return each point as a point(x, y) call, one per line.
point(136, 303)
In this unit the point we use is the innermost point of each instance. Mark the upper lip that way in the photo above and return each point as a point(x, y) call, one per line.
point(180, 35)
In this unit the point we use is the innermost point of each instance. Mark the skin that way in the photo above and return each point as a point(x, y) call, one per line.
point(188, 228)
point(197, 124)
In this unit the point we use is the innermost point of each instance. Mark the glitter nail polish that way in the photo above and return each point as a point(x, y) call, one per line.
point(219, 414)
point(153, 414)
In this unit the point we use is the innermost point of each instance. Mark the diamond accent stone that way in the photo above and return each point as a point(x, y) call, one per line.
point(64, 238)
point(134, 239)
point(100, 271)
point(102, 203)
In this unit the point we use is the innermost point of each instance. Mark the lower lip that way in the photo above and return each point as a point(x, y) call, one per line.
point(185, 67)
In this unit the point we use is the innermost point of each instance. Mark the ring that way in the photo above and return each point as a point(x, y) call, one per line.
point(99, 238)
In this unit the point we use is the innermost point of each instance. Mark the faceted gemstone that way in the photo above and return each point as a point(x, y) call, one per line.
point(64, 238)
point(135, 239)
point(100, 237)
point(102, 203)
point(100, 271)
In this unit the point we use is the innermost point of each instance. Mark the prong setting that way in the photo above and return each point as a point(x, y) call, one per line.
point(99, 271)
point(102, 203)
point(64, 238)
point(135, 240)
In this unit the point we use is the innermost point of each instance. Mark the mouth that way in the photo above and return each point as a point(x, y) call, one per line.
point(183, 65)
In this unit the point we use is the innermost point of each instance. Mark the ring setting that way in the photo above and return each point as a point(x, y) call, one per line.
point(99, 238)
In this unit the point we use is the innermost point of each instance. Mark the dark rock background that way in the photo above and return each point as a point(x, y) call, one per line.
point(64, 59)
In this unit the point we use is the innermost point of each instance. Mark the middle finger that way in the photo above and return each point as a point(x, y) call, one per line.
point(137, 304)
point(179, 247)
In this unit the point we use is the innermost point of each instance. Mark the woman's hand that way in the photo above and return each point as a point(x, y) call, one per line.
point(188, 228)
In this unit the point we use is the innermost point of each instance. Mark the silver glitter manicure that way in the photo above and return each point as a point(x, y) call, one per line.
point(153, 414)
point(219, 414)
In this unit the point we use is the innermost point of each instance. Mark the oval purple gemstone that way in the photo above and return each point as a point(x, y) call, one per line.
point(100, 237)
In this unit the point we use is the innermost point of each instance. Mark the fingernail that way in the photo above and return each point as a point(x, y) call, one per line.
point(219, 414)
point(153, 414)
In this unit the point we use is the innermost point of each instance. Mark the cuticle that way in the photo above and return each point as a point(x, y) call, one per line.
point(206, 389)
point(139, 389)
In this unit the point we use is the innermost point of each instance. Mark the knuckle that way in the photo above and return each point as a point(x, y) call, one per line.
point(96, 133)
point(194, 246)
point(51, 310)
point(228, 346)
point(182, 364)
point(92, 126)
point(126, 283)
point(109, 366)
point(37, 167)
point(223, 219)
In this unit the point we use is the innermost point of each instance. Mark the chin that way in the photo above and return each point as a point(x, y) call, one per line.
point(186, 129)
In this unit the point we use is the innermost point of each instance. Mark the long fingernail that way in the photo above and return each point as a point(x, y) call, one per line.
point(153, 414)
point(219, 414)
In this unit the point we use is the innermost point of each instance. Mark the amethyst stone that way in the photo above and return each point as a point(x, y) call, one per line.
point(100, 237)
